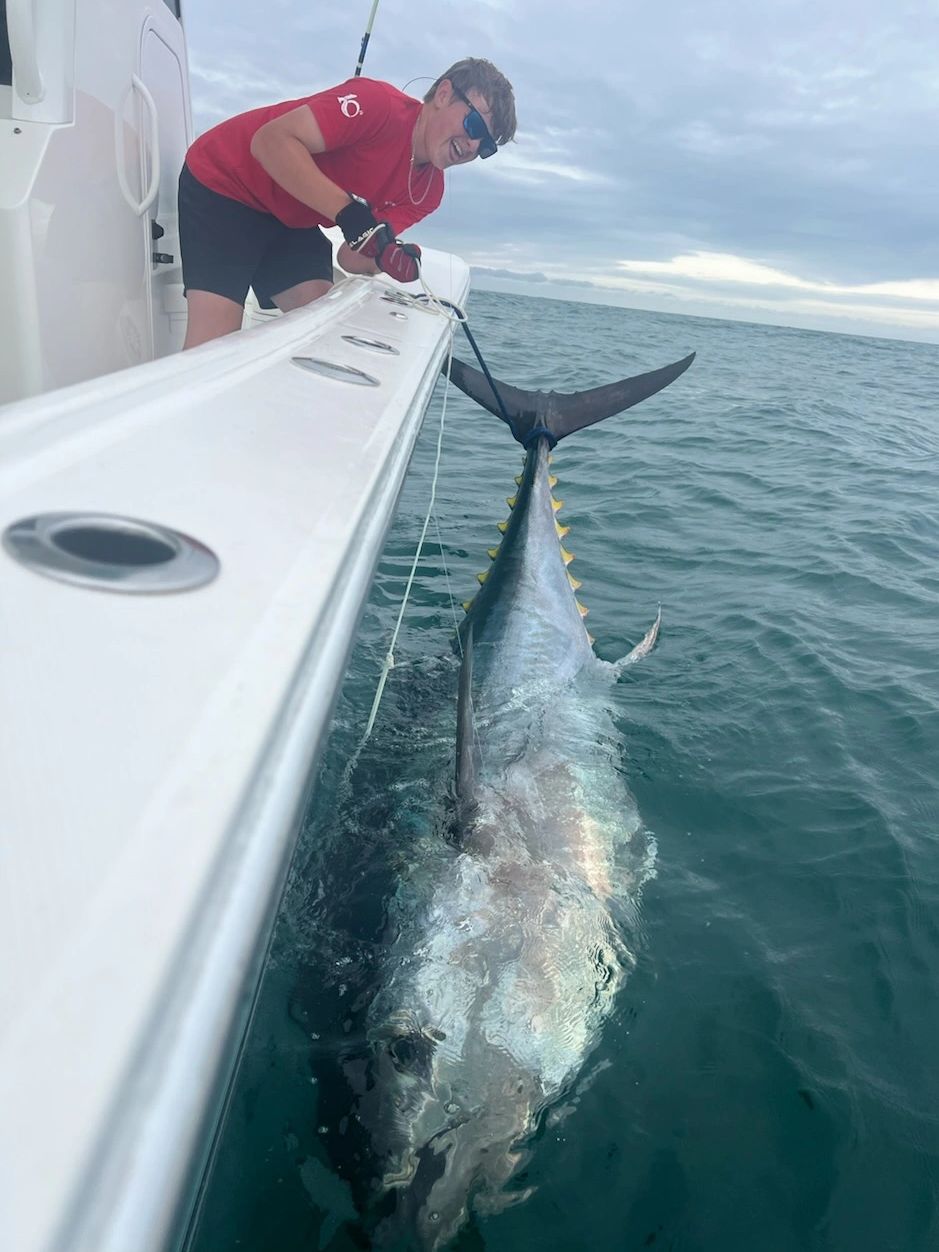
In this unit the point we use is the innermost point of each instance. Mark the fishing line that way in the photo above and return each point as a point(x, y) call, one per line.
point(389, 655)
point(432, 303)
point(429, 302)
point(456, 627)
point(446, 575)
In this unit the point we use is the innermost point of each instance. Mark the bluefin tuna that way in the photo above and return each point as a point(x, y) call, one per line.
point(510, 944)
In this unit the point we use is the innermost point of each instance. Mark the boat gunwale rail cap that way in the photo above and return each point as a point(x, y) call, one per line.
point(110, 552)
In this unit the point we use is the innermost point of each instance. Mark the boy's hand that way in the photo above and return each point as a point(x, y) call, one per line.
point(375, 240)
point(401, 261)
point(356, 221)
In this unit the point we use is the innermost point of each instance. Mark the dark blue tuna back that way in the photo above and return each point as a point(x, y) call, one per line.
point(527, 627)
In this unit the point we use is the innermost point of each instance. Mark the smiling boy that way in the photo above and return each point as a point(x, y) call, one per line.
point(256, 189)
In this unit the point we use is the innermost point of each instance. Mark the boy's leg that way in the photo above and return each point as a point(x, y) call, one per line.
point(303, 293)
point(221, 242)
point(295, 269)
point(210, 317)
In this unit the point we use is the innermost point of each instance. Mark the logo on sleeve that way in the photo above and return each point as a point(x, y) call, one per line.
point(350, 106)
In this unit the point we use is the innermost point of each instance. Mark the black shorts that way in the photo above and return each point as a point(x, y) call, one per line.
point(228, 247)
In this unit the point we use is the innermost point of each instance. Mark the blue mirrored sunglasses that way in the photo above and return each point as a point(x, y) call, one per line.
point(475, 126)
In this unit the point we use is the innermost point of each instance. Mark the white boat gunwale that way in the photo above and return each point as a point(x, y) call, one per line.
point(129, 1168)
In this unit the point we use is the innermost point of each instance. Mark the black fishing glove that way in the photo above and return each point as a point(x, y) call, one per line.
point(356, 221)
point(375, 240)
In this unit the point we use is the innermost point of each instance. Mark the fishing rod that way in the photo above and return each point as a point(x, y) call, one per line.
point(365, 39)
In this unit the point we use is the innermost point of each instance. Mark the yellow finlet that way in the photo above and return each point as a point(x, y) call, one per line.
point(562, 530)
point(481, 578)
point(510, 501)
point(502, 527)
point(566, 556)
point(552, 480)
point(518, 479)
point(582, 608)
point(574, 582)
point(492, 553)
point(557, 504)
point(467, 605)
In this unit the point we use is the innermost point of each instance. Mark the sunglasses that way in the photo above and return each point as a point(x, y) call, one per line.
point(475, 126)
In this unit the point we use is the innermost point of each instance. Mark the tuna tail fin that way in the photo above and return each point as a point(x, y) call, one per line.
point(554, 414)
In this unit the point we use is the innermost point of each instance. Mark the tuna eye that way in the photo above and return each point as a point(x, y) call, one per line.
point(402, 1049)
point(413, 1052)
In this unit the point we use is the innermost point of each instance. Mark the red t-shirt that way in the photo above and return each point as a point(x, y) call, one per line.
point(368, 128)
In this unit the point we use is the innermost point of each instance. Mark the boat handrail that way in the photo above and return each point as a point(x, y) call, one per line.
point(139, 207)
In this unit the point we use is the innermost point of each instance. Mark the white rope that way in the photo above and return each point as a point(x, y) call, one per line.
point(456, 627)
point(430, 304)
point(389, 662)
point(434, 305)
point(446, 574)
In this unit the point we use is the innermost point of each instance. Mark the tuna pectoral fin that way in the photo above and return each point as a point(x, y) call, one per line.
point(642, 648)
point(557, 414)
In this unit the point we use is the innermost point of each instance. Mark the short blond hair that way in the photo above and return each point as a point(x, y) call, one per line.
point(475, 74)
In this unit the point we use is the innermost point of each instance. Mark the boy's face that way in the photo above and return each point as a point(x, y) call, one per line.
point(446, 143)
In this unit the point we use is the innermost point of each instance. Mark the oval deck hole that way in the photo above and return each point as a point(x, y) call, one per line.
point(113, 546)
point(110, 552)
point(373, 345)
point(331, 369)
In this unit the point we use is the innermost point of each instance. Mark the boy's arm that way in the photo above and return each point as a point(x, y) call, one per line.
point(286, 148)
point(354, 262)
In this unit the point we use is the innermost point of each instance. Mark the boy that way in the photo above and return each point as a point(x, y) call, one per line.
point(256, 189)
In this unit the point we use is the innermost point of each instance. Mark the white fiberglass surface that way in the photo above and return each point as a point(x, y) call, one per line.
point(156, 747)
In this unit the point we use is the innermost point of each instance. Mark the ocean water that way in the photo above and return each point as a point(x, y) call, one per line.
point(768, 1080)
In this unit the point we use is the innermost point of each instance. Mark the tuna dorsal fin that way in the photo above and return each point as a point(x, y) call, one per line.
point(558, 414)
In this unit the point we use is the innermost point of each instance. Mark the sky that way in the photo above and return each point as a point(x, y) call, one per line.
point(773, 162)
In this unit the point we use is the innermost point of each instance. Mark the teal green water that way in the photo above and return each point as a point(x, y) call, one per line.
point(768, 1080)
